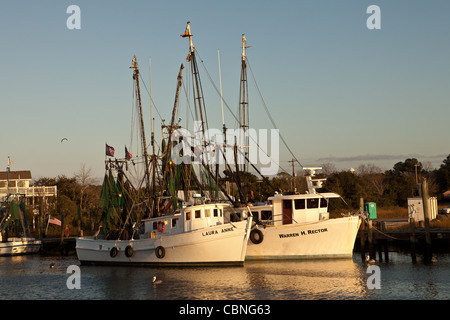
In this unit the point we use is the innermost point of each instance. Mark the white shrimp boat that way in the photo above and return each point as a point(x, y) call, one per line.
point(297, 226)
point(195, 235)
point(19, 246)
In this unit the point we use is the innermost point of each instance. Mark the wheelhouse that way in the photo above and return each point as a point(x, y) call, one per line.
point(189, 218)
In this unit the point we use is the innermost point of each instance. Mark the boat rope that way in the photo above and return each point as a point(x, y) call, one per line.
point(268, 113)
point(237, 119)
point(388, 236)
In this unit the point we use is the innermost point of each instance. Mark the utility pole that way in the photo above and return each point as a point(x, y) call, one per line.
point(427, 221)
point(294, 189)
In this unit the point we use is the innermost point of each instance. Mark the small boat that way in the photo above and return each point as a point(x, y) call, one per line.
point(14, 220)
point(297, 226)
point(13, 246)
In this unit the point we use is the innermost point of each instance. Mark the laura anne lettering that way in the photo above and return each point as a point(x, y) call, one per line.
point(208, 233)
point(302, 233)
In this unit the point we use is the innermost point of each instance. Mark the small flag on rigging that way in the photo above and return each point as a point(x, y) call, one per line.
point(109, 151)
point(127, 154)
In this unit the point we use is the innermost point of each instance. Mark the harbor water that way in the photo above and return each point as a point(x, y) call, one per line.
point(37, 277)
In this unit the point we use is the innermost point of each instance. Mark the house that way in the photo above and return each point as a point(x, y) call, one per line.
point(19, 183)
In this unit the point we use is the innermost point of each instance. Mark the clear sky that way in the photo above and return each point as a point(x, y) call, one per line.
point(338, 91)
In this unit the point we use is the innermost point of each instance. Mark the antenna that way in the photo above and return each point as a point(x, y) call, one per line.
point(151, 106)
point(220, 83)
point(187, 33)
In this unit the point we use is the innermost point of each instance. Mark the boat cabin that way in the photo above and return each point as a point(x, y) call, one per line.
point(189, 218)
point(284, 209)
point(291, 209)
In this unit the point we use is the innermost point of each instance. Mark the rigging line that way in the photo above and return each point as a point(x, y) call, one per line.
point(148, 92)
point(268, 113)
point(234, 116)
point(215, 87)
point(188, 105)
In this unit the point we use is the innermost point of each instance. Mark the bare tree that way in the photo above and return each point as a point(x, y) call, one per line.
point(84, 178)
point(374, 176)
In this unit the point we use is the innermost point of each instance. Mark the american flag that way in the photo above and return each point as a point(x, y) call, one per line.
point(127, 154)
point(109, 151)
point(53, 220)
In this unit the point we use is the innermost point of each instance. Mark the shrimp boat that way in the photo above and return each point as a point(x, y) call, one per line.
point(194, 235)
point(297, 226)
point(15, 220)
point(168, 229)
point(14, 246)
point(291, 225)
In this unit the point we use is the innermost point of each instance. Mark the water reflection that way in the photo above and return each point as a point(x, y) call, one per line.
point(30, 277)
point(339, 279)
point(327, 279)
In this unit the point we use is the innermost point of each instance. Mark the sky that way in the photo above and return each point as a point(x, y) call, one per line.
point(338, 91)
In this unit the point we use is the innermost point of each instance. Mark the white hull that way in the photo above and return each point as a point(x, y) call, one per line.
point(220, 244)
point(19, 246)
point(331, 238)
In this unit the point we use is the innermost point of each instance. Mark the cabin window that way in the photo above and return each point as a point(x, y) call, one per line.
point(215, 212)
point(174, 222)
point(188, 215)
point(287, 204)
point(197, 214)
point(313, 203)
point(221, 212)
point(299, 204)
point(323, 203)
point(207, 213)
point(155, 225)
point(266, 215)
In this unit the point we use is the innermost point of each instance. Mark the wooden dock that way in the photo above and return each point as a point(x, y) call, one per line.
point(373, 238)
point(52, 246)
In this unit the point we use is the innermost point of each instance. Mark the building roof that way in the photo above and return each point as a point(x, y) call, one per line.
point(16, 175)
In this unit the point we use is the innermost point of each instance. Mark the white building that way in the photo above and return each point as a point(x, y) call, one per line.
point(19, 183)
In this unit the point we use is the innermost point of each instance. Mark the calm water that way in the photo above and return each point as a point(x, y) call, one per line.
point(30, 277)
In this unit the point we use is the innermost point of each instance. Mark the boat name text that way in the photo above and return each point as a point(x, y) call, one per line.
point(208, 233)
point(302, 233)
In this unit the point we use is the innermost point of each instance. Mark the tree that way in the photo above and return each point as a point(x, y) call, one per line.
point(83, 177)
point(375, 178)
point(408, 167)
point(443, 175)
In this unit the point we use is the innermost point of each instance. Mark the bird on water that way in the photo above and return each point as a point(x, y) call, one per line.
point(156, 281)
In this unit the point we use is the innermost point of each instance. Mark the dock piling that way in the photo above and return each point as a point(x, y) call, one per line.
point(412, 239)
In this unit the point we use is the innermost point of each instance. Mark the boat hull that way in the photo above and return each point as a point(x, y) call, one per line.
point(218, 245)
point(332, 238)
point(19, 246)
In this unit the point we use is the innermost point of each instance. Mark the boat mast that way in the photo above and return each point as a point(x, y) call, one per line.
point(244, 118)
point(155, 208)
point(8, 168)
point(172, 126)
point(141, 118)
point(199, 102)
